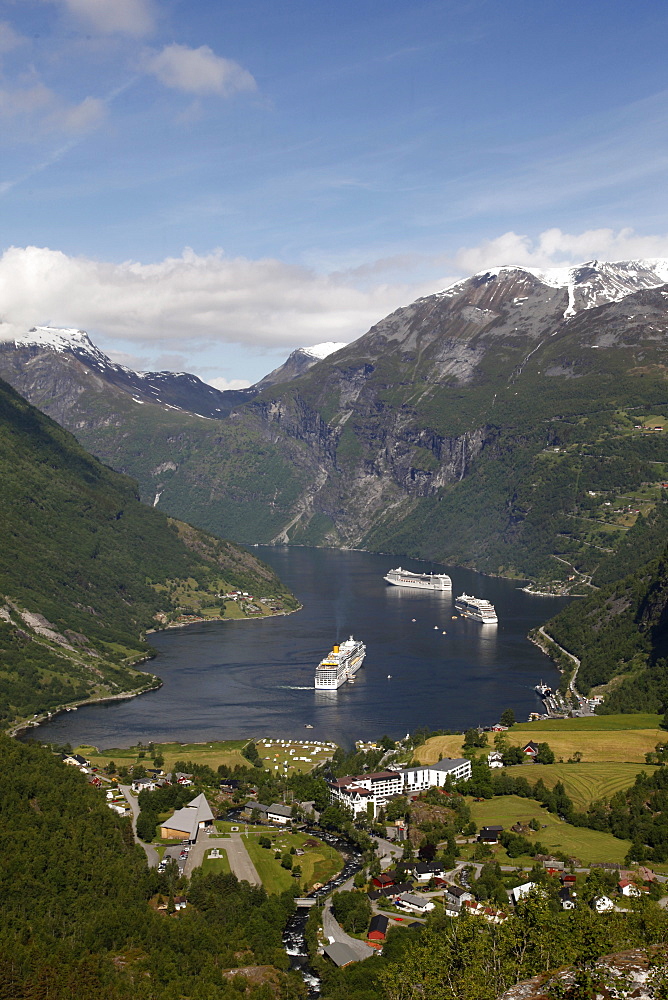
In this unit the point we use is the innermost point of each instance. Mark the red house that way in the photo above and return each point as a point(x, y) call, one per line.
point(378, 928)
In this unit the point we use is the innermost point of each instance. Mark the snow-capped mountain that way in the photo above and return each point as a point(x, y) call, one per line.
point(590, 284)
point(179, 390)
point(298, 362)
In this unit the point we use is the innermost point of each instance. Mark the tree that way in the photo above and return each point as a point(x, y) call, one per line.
point(508, 718)
point(544, 754)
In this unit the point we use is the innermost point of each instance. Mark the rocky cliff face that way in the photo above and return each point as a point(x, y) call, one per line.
point(470, 426)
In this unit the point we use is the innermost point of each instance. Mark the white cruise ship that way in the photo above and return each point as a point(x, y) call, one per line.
point(477, 608)
point(340, 665)
point(422, 581)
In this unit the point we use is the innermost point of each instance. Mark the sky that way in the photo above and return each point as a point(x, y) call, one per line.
point(204, 185)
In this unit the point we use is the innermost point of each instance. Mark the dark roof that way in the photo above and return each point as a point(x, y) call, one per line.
point(530, 745)
point(378, 923)
point(457, 892)
point(425, 869)
point(491, 829)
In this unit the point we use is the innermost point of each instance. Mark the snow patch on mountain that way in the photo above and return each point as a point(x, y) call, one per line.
point(321, 351)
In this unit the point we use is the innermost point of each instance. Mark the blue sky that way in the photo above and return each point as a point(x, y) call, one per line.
point(204, 185)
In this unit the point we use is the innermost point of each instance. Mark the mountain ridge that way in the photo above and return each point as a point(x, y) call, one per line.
point(461, 428)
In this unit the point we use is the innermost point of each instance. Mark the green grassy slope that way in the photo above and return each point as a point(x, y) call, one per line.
point(85, 568)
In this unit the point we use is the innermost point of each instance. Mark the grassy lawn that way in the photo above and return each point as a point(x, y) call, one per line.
point(318, 864)
point(600, 739)
point(221, 752)
point(224, 826)
point(215, 865)
point(585, 783)
point(586, 845)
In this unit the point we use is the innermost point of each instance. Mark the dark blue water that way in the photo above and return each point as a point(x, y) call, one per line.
point(236, 679)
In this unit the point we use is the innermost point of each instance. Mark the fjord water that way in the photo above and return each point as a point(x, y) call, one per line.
point(243, 678)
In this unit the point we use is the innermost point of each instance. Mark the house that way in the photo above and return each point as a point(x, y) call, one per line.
point(495, 759)
point(603, 904)
point(279, 813)
point(426, 872)
point(341, 954)
point(143, 785)
point(409, 901)
point(186, 823)
point(378, 928)
point(498, 728)
point(490, 834)
point(456, 896)
point(567, 901)
point(530, 748)
point(522, 890)
point(76, 760)
point(383, 881)
point(628, 888)
point(568, 879)
point(183, 779)
point(180, 902)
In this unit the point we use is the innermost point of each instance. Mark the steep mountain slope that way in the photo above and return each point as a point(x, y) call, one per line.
point(492, 424)
point(85, 569)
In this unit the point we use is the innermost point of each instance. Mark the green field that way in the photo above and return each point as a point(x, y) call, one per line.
point(226, 752)
point(578, 842)
point(215, 865)
point(600, 739)
point(584, 783)
point(318, 864)
point(596, 723)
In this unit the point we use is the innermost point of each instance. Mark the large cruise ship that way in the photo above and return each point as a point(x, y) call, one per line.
point(340, 665)
point(477, 608)
point(422, 581)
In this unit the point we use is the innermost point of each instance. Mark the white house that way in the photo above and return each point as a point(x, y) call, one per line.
point(628, 888)
point(603, 904)
point(522, 890)
point(410, 901)
point(495, 759)
point(279, 813)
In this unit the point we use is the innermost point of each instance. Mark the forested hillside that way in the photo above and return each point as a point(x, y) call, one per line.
point(620, 631)
point(75, 919)
point(85, 568)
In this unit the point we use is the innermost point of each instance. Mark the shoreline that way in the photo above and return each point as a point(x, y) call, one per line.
point(154, 683)
point(16, 729)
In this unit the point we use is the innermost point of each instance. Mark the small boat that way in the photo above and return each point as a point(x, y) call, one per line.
point(389, 677)
point(454, 617)
point(444, 633)
point(436, 627)
point(413, 619)
point(308, 726)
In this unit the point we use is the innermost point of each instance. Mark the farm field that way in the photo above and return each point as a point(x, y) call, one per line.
point(226, 752)
point(578, 842)
point(593, 723)
point(600, 739)
point(584, 783)
point(318, 864)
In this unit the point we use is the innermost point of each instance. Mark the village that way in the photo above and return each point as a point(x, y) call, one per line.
point(423, 848)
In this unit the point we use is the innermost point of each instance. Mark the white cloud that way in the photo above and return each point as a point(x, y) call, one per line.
point(198, 71)
point(190, 300)
point(554, 248)
point(38, 110)
point(224, 384)
point(127, 17)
